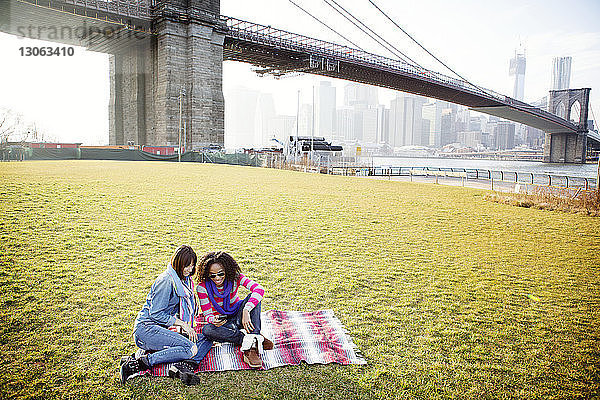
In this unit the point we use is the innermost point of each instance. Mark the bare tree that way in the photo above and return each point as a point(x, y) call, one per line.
point(10, 123)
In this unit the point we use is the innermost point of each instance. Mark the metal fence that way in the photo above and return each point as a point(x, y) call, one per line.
point(526, 178)
point(25, 153)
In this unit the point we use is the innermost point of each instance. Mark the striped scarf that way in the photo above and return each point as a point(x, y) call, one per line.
point(184, 289)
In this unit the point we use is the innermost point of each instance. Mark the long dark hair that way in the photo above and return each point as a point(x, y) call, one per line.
point(232, 269)
point(183, 256)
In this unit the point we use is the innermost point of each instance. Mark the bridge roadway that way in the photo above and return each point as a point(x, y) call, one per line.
point(278, 52)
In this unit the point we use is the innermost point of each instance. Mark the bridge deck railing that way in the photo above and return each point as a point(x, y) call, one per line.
point(130, 8)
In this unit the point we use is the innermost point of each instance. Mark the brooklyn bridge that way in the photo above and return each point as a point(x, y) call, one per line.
point(166, 61)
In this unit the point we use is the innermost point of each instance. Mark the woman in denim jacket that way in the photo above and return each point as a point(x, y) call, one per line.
point(171, 302)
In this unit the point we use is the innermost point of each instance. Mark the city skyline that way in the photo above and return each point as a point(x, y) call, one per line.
point(407, 121)
point(73, 105)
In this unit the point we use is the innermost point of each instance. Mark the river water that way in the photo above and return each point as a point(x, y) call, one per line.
point(578, 170)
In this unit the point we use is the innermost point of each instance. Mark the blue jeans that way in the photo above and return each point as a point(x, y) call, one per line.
point(168, 346)
point(230, 331)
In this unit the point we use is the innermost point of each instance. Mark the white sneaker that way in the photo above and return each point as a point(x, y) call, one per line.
point(247, 342)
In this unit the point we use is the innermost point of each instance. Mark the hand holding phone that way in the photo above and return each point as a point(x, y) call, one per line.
point(220, 320)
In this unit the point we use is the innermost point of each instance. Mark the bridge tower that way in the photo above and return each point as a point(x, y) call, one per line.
point(572, 105)
point(183, 60)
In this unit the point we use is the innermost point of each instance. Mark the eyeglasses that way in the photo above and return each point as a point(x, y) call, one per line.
point(219, 274)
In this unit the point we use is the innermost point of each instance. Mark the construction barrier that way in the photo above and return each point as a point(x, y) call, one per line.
point(138, 155)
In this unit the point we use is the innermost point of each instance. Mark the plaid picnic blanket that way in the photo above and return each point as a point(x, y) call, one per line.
point(313, 337)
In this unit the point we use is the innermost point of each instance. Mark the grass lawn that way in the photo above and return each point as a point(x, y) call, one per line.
point(447, 295)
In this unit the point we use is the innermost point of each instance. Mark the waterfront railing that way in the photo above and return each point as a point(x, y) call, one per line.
point(526, 178)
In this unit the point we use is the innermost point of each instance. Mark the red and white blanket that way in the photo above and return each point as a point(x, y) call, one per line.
point(313, 337)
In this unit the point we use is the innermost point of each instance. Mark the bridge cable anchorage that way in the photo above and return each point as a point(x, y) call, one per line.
point(327, 26)
point(388, 46)
point(428, 52)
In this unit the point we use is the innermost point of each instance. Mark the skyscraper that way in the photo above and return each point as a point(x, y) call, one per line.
point(383, 124)
point(357, 94)
point(561, 73)
point(505, 135)
point(344, 127)
point(240, 118)
point(357, 120)
point(432, 112)
point(406, 121)
point(325, 113)
point(517, 70)
point(448, 127)
point(369, 126)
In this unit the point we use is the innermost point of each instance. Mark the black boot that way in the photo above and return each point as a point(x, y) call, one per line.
point(133, 366)
point(184, 370)
point(139, 353)
point(124, 359)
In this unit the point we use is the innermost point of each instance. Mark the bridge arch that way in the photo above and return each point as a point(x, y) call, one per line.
point(565, 147)
point(560, 110)
point(575, 112)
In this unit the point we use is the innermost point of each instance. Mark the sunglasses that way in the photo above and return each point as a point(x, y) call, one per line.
point(219, 274)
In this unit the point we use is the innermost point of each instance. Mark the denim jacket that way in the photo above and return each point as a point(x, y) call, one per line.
point(162, 303)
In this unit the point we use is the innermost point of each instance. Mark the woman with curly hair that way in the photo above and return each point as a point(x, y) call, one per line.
point(170, 303)
point(228, 318)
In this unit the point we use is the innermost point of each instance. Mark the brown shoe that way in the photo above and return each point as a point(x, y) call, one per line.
point(267, 344)
point(252, 358)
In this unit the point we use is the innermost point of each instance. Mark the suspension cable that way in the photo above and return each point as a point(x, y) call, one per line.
point(543, 99)
point(419, 44)
point(327, 26)
point(388, 46)
point(593, 116)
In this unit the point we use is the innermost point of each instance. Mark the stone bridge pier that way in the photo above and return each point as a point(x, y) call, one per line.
point(570, 104)
point(181, 61)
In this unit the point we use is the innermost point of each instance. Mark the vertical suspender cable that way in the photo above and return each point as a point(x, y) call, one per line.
point(388, 46)
point(419, 44)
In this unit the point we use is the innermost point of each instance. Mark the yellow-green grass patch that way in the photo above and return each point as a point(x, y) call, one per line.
point(446, 294)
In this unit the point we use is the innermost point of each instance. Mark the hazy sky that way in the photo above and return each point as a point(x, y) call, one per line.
point(68, 96)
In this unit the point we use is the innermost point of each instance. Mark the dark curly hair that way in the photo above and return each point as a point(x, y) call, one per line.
point(231, 267)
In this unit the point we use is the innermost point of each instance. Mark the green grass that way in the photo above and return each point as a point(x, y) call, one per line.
point(446, 294)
